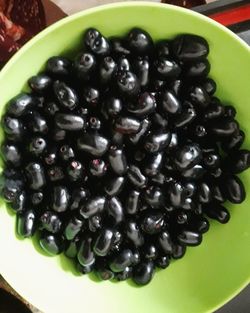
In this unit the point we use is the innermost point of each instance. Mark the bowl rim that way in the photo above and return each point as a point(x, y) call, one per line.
point(109, 6)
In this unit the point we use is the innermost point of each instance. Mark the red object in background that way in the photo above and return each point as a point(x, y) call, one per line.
point(232, 16)
point(19, 21)
point(185, 3)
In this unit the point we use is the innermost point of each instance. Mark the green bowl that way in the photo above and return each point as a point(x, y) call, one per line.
point(208, 275)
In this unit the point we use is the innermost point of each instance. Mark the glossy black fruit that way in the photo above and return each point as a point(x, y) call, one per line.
point(142, 70)
point(65, 95)
point(11, 153)
point(115, 211)
point(26, 223)
point(234, 189)
point(127, 83)
point(85, 65)
point(104, 241)
point(37, 146)
point(217, 212)
point(190, 47)
point(133, 202)
point(139, 41)
point(170, 103)
point(188, 156)
point(98, 167)
point(114, 185)
point(93, 143)
point(60, 199)
point(117, 160)
point(157, 141)
point(73, 227)
point(92, 206)
point(13, 127)
point(69, 122)
point(121, 261)
point(134, 234)
point(20, 104)
point(146, 105)
point(85, 253)
point(58, 66)
point(189, 238)
point(136, 177)
point(152, 222)
point(98, 44)
point(143, 273)
point(40, 83)
point(165, 242)
point(52, 244)
point(35, 175)
point(51, 222)
point(167, 69)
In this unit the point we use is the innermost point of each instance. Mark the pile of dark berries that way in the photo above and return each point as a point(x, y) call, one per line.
point(118, 157)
